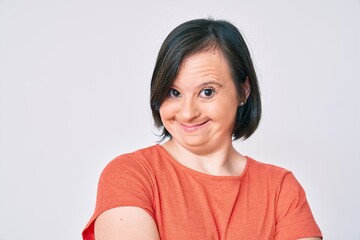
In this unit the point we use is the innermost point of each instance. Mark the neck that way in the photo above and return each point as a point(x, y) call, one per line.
point(222, 161)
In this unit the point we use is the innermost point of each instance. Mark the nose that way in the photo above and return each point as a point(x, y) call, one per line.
point(189, 110)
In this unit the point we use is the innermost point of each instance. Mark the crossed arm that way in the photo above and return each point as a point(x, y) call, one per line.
point(130, 223)
point(125, 223)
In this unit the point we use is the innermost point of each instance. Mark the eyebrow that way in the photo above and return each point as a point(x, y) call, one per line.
point(205, 84)
point(209, 83)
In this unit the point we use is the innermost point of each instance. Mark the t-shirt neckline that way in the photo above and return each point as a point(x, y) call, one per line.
point(201, 174)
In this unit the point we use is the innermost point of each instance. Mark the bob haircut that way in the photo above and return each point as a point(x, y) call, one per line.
point(201, 35)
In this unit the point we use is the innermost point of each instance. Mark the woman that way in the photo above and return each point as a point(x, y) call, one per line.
point(204, 95)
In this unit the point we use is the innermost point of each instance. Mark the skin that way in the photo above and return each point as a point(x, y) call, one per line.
point(125, 223)
point(199, 113)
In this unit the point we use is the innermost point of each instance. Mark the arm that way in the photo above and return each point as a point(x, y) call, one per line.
point(126, 223)
point(294, 216)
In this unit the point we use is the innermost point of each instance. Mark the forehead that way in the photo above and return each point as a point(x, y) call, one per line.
point(205, 64)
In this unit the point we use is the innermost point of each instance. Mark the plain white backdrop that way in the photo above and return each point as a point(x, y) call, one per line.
point(74, 93)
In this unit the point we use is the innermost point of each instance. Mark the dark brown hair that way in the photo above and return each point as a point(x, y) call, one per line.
point(200, 35)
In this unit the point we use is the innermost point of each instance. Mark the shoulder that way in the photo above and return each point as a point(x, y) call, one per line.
point(141, 159)
point(274, 178)
point(140, 166)
point(266, 170)
point(139, 155)
point(127, 180)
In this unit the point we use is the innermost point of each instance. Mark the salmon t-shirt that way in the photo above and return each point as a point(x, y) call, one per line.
point(264, 202)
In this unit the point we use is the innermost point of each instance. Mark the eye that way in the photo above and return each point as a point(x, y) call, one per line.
point(174, 93)
point(207, 93)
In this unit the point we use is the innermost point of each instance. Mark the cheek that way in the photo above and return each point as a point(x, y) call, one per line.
point(166, 111)
point(224, 111)
point(161, 112)
point(225, 106)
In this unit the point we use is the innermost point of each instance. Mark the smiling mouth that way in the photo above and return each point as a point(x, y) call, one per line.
point(193, 127)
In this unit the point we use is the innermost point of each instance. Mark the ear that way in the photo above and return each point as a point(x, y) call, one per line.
point(247, 89)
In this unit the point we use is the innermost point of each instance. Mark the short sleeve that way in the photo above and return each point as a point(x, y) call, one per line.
point(123, 182)
point(294, 218)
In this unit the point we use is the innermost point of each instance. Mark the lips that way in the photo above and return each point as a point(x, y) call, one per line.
point(193, 127)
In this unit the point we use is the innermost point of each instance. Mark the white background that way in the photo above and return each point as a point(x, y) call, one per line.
point(74, 93)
